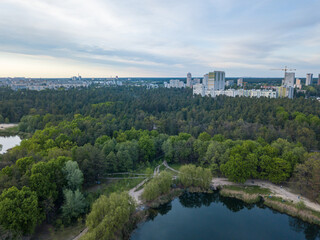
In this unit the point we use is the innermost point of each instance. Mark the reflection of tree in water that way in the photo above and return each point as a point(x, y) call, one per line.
point(162, 209)
point(193, 200)
point(310, 231)
point(234, 204)
point(165, 208)
point(152, 214)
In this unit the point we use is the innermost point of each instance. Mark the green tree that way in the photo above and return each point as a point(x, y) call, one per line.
point(159, 185)
point(147, 149)
point(204, 136)
point(73, 175)
point(74, 204)
point(24, 164)
point(239, 169)
point(19, 210)
point(306, 176)
point(111, 162)
point(192, 176)
point(275, 169)
point(108, 216)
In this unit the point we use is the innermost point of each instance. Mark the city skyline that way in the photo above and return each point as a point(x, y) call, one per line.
point(41, 38)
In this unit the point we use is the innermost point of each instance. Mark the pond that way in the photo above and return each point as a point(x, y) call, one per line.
point(9, 142)
point(211, 216)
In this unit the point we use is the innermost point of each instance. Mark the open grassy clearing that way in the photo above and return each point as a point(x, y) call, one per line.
point(249, 189)
point(48, 232)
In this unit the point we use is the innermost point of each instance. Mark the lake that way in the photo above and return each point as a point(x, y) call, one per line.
point(211, 216)
point(9, 142)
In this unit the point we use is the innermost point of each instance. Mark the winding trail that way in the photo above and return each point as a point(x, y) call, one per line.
point(137, 194)
point(167, 166)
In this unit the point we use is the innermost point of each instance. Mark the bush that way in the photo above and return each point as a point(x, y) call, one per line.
point(159, 185)
point(301, 205)
point(192, 176)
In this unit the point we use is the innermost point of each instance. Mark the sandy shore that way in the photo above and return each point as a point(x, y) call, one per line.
point(4, 126)
point(277, 191)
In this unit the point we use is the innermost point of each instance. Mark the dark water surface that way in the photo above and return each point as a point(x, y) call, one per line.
point(211, 216)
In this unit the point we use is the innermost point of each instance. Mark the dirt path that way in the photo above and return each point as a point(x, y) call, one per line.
point(167, 166)
point(81, 234)
point(278, 191)
point(137, 194)
point(7, 125)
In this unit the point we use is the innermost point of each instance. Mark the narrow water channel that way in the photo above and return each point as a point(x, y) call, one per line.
point(211, 216)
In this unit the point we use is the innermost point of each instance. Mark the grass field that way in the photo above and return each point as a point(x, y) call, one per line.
point(250, 189)
point(175, 166)
point(47, 232)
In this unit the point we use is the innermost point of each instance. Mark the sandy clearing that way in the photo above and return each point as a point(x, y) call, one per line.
point(4, 126)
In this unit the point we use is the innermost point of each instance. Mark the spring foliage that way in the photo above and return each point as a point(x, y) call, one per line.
point(19, 210)
point(108, 216)
point(192, 176)
point(159, 185)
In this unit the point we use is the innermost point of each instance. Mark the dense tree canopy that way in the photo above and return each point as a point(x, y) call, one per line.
point(170, 111)
point(19, 210)
point(78, 136)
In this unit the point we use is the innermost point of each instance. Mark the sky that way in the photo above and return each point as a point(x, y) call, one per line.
point(158, 38)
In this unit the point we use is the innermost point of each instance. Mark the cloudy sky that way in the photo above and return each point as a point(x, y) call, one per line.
point(158, 38)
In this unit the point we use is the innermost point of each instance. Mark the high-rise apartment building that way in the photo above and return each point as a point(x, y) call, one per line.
point(240, 82)
point(298, 83)
point(289, 78)
point(189, 80)
point(285, 91)
point(319, 79)
point(309, 79)
point(206, 78)
point(216, 80)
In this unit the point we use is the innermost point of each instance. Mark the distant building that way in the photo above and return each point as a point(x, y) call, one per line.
point(309, 79)
point(174, 83)
point(189, 80)
point(285, 91)
point(213, 85)
point(196, 81)
point(199, 89)
point(298, 83)
point(289, 79)
point(206, 79)
point(216, 80)
point(229, 83)
point(242, 93)
point(240, 82)
point(76, 78)
point(319, 79)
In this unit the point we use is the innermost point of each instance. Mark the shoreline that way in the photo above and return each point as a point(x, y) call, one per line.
point(275, 191)
point(298, 210)
point(243, 193)
point(12, 129)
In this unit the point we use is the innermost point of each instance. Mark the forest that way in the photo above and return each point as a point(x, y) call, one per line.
point(78, 136)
